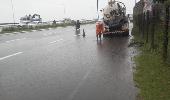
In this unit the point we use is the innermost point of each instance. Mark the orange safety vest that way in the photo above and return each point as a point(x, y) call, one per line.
point(99, 28)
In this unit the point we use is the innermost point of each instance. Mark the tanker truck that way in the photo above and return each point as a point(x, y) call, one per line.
point(114, 21)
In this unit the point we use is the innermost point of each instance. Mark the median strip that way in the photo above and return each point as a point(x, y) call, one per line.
point(10, 55)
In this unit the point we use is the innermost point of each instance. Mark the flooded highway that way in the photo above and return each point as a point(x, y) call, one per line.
point(61, 64)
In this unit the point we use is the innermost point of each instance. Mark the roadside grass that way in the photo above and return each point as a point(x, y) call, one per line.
point(13, 29)
point(29, 28)
point(38, 27)
point(152, 75)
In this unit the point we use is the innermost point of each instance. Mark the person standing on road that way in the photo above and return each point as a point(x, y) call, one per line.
point(99, 29)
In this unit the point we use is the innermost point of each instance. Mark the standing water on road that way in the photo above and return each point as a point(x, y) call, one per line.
point(65, 66)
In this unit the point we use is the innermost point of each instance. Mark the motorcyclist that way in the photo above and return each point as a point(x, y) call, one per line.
point(77, 25)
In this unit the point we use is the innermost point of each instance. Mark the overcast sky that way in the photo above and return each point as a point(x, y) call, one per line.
point(54, 9)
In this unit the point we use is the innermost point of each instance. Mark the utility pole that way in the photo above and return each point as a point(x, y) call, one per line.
point(64, 9)
point(13, 12)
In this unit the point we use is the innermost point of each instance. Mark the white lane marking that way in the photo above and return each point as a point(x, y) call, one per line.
point(16, 32)
point(15, 40)
point(53, 42)
point(59, 40)
point(7, 33)
point(34, 30)
point(24, 31)
point(79, 85)
point(42, 29)
point(47, 34)
point(10, 55)
point(56, 41)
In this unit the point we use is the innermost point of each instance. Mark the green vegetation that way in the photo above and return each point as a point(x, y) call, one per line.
point(38, 27)
point(29, 28)
point(152, 75)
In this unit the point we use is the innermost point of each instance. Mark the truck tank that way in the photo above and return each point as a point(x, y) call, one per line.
point(114, 19)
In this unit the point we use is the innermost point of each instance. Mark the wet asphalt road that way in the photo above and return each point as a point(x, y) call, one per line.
point(58, 64)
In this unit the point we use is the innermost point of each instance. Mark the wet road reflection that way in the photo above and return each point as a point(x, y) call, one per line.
point(76, 68)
